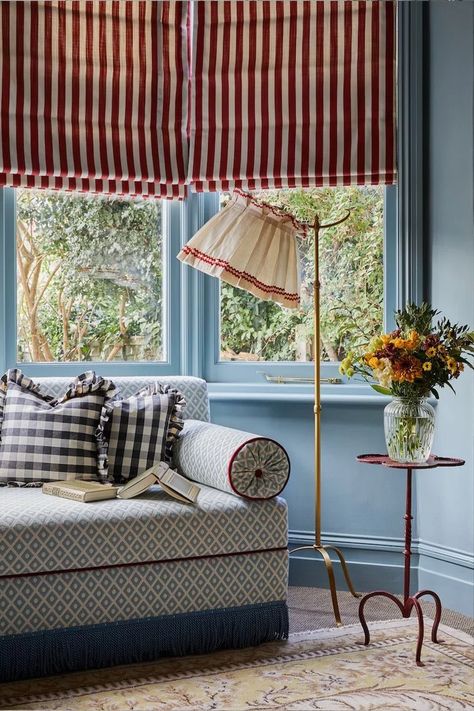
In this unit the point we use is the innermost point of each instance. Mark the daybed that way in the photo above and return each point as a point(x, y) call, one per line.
point(119, 581)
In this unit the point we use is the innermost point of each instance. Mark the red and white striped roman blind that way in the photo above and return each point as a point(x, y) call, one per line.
point(292, 93)
point(94, 95)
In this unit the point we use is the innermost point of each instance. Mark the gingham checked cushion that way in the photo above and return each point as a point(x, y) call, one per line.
point(194, 390)
point(45, 439)
point(141, 430)
point(231, 460)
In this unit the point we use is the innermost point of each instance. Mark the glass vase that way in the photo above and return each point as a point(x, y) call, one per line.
point(409, 429)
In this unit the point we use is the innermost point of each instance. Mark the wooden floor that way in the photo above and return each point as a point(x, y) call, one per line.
point(310, 608)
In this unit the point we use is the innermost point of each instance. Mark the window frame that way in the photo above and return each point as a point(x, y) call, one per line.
point(8, 312)
point(215, 370)
point(404, 267)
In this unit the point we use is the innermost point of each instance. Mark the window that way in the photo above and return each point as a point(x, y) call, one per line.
point(91, 282)
point(256, 337)
point(89, 278)
point(351, 268)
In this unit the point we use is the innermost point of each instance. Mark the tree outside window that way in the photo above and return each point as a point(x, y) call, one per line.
point(89, 278)
point(351, 267)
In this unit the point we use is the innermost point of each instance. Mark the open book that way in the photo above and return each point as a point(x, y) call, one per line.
point(173, 483)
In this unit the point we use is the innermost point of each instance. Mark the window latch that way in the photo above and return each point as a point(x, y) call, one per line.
point(283, 379)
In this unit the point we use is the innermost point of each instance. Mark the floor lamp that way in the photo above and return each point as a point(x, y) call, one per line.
point(252, 245)
point(318, 546)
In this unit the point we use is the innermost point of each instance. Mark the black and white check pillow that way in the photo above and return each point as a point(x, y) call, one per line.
point(141, 430)
point(45, 439)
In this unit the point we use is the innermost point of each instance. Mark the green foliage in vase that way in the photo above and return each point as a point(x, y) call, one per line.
point(416, 358)
point(415, 318)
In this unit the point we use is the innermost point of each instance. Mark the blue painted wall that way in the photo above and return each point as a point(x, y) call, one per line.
point(364, 506)
point(446, 499)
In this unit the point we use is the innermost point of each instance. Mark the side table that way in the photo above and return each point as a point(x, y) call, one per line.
point(409, 601)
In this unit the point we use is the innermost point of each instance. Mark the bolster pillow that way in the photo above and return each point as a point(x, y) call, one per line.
point(233, 461)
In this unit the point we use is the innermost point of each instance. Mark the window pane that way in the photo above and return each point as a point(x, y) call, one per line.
point(89, 278)
point(351, 273)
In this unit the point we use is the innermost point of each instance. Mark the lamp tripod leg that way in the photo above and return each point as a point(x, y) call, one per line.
point(345, 570)
point(332, 583)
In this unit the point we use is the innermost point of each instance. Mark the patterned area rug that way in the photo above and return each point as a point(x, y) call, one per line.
point(324, 669)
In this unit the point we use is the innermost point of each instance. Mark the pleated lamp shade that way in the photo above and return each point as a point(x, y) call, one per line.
point(252, 246)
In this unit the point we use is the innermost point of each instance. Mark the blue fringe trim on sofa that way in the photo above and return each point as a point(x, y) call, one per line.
point(36, 654)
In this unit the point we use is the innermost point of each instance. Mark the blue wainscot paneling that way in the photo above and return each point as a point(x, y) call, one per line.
point(363, 506)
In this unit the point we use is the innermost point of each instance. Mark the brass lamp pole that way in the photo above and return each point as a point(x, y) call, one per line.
point(318, 545)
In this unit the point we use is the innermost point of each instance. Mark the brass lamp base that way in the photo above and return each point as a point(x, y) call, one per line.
point(317, 545)
point(323, 550)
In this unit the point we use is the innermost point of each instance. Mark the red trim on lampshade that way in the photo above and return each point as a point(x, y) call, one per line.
point(301, 227)
point(267, 288)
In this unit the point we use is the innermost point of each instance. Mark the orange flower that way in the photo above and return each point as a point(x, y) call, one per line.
point(407, 369)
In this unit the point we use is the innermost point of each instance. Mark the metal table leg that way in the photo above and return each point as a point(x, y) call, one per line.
point(409, 601)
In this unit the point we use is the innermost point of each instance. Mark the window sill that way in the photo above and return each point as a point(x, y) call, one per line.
point(345, 394)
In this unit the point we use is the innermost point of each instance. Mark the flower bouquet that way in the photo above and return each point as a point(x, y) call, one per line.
point(409, 364)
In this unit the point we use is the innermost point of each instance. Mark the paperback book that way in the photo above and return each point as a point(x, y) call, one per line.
point(173, 483)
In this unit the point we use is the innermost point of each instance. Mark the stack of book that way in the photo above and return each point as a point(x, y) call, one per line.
point(86, 491)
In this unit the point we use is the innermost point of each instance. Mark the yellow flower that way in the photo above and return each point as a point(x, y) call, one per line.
point(451, 363)
point(399, 343)
point(373, 362)
point(427, 366)
point(385, 338)
point(431, 352)
point(413, 340)
point(375, 344)
point(345, 367)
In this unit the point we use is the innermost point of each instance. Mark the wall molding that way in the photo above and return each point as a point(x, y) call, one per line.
point(390, 544)
point(377, 563)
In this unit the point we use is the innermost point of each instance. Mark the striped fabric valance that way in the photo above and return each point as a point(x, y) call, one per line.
point(94, 96)
point(292, 93)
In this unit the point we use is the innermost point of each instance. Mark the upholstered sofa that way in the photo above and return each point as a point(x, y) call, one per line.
point(120, 581)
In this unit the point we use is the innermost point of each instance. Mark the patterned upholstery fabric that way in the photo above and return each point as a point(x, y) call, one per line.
point(194, 390)
point(63, 563)
point(141, 430)
point(96, 596)
point(46, 533)
point(232, 461)
point(68, 565)
point(44, 439)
